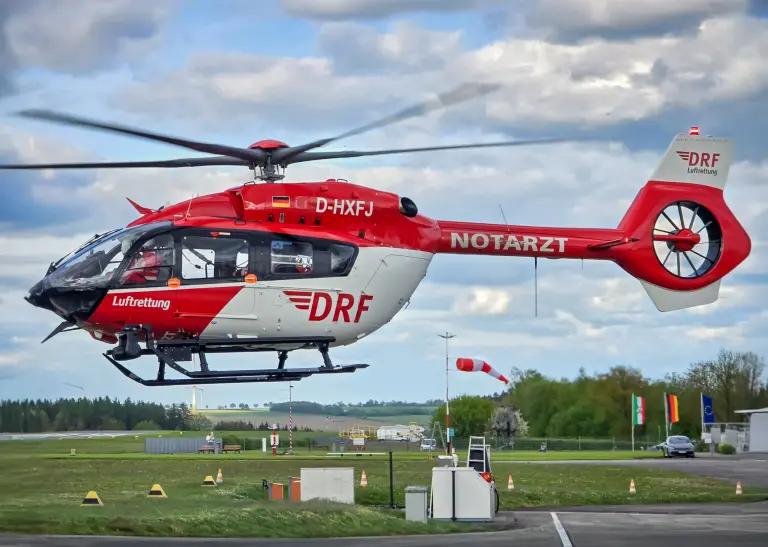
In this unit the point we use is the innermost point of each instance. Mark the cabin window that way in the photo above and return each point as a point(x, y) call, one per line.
point(291, 257)
point(341, 257)
point(209, 257)
point(152, 263)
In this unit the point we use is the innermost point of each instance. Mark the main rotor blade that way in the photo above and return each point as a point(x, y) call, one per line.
point(459, 95)
point(185, 162)
point(249, 155)
point(314, 156)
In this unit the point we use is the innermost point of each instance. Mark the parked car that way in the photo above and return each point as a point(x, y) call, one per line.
point(428, 445)
point(678, 445)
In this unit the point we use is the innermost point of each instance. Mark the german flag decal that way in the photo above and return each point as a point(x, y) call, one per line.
point(281, 201)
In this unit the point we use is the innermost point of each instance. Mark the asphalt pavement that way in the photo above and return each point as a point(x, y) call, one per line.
point(67, 435)
point(749, 469)
point(692, 525)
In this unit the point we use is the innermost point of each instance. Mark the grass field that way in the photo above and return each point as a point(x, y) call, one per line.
point(48, 486)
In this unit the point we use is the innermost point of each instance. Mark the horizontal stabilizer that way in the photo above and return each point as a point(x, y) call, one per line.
point(667, 300)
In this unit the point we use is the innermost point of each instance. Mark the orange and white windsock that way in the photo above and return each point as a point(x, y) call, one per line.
point(476, 365)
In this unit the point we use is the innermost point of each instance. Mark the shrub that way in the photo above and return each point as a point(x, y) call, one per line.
point(725, 448)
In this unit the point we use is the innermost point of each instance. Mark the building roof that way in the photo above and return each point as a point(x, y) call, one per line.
point(754, 411)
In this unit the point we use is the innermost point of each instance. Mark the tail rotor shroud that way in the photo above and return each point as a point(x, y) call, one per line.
point(687, 239)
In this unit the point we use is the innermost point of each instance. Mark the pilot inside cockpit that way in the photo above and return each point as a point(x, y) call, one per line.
point(151, 262)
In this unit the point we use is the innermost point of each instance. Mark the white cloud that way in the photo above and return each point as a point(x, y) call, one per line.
point(598, 82)
point(583, 16)
point(92, 35)
point(347, 9)
point(482, 301)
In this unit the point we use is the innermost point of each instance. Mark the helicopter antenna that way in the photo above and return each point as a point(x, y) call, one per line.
point(503, 216)
point(189, 206)
point(535, 286)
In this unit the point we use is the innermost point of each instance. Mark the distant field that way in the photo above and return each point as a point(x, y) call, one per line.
point(314, 421)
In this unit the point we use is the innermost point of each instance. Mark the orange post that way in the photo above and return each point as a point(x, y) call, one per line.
point(295, 489)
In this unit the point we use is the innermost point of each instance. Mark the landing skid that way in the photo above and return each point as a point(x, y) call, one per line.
point(169, 352)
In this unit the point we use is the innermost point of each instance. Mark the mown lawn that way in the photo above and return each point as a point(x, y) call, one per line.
point(44, 495)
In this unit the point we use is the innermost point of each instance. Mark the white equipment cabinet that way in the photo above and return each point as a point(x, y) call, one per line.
point(329, 483)
point(465, 493)
point(461, 493)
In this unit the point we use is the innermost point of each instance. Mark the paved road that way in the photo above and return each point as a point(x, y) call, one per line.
point(66, 435)
point(751, 470)
point(745, 525)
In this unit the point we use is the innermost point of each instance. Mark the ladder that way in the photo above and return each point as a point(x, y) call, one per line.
point(478, 456)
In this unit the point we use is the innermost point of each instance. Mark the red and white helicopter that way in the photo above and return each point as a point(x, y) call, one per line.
point(280, 267)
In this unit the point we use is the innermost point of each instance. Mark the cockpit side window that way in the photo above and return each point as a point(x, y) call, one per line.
point(214, 257)
point(152, 263)
point(291, 257)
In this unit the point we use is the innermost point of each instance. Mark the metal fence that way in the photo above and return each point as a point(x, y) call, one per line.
point(177, 445)
point(252, 441)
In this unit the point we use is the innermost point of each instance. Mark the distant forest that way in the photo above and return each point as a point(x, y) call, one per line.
point(370, 409)
point(38, 416)
point(83, 414)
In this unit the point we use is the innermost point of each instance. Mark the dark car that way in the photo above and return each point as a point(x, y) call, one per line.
point(678, 445)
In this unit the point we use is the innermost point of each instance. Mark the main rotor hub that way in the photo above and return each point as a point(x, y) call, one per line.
point(268, 144)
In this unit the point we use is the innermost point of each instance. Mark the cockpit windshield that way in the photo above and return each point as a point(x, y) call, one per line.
point(93, 266)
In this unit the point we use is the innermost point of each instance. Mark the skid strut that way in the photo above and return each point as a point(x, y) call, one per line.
point(170, 352)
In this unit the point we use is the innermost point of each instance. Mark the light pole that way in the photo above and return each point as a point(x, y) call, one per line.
point(195, 389)
point(447, 336)
point(290, 418)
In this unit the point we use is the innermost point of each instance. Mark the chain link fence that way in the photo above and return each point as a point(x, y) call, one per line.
point(253, 441)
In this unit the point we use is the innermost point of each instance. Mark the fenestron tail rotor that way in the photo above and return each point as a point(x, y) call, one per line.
point(268, 155)
point(687, 239)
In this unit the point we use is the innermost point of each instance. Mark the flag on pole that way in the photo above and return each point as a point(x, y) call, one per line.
point(672, 409)
point(707, 412)
point(638, 410)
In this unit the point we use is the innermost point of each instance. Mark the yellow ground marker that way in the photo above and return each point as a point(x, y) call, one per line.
point(156, 492)
point(92, 499)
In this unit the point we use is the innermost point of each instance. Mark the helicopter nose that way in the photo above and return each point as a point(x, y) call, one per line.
point(38, 298)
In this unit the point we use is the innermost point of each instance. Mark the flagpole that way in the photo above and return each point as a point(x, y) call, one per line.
point(666, 413)
point(632, 415)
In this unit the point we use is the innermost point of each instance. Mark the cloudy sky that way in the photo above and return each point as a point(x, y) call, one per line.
point(629, 75)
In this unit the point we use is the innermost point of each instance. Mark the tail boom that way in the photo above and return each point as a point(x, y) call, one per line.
point(658, 241)
point(531, 241)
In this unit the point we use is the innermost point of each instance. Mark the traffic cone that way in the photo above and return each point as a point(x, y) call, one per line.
point(363, 480)
point(219, 477)
point(738, 488)
point(510, 484)
point(632, 486)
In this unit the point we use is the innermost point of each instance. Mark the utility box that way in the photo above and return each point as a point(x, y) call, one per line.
point(445, 461)
point(275, 491)
point(294, 489)
point(416, 503)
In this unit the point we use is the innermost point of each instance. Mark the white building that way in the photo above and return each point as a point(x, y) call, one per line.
point(757, 433)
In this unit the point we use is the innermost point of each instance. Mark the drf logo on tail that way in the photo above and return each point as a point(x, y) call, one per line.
point(702, 163)
point(321, 304)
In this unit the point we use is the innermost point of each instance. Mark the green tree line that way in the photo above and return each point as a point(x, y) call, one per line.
point(103, 413)
point(600, 405)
